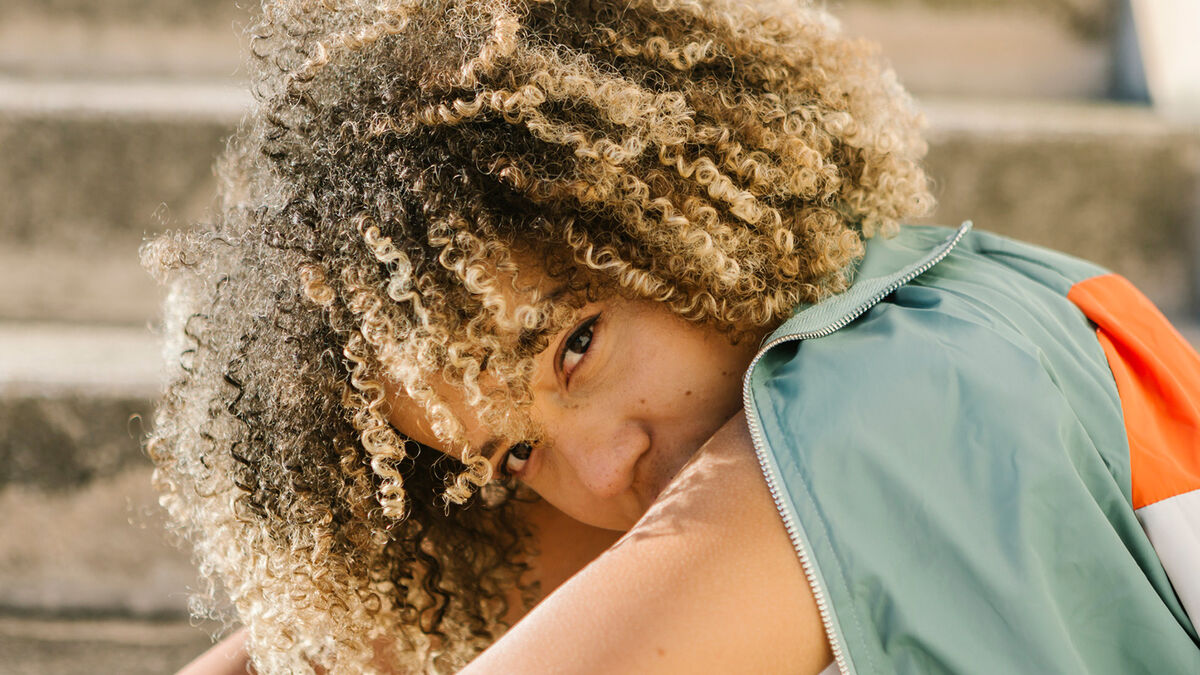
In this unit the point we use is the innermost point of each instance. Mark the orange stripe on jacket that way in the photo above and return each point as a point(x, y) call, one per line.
point(1158, 379)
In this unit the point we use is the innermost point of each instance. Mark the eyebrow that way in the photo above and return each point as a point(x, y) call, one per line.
point(556, 293)
point(489, 447)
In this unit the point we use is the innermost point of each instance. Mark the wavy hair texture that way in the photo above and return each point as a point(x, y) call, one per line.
point(721, 158)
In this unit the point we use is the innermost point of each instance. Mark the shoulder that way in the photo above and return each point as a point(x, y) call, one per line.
point(908, 365)
point(708, 581)
point(932, 451)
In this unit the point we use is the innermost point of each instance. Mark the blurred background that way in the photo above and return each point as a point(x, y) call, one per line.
point(1071, 123)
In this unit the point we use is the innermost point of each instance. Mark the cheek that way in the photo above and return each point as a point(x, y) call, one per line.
point(697, 375)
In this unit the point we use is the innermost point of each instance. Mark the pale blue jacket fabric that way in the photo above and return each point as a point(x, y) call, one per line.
point(945, 444)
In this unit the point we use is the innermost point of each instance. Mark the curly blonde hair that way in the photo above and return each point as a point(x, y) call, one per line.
point(723, 159)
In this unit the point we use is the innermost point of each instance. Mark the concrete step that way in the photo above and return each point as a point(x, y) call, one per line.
point(1025, 48)
point(947, 47)
point(89, 169)
point(47, 646)
point(129, 11)
point(122, 37)
point(1115, 184)
point(83, 535)
point(90, 548)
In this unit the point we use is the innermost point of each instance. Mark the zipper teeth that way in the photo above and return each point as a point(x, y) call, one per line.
point(835, 645)
point(858, 311)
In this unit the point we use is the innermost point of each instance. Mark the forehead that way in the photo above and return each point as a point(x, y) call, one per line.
point(521, 284)
point(412, 420)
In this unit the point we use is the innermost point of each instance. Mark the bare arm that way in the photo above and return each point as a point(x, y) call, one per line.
point(227, 657)
point(706, 582)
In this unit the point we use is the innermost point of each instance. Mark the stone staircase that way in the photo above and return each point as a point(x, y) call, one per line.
point(111, 114)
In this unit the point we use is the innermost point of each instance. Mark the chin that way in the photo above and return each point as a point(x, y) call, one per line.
point(615, 523)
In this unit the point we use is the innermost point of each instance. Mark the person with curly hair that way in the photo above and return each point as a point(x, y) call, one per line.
point(606, 307)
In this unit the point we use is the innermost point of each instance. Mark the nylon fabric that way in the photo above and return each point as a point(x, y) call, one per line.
point(1157, 374)
point(954, 460)
point(1173, 526)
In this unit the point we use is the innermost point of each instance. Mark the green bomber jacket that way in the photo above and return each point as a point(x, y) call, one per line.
point(951, 445)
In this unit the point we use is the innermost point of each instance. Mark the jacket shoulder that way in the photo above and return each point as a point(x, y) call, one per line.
point(931, 450)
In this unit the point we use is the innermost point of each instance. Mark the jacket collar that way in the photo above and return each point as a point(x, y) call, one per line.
point(887, 265)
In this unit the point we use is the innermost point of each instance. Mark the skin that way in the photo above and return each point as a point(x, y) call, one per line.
point(618, 415)
point(706, 582)
point(227, 657)
point(640, 431)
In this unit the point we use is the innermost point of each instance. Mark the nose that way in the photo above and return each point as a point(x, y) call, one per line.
point(605, 457)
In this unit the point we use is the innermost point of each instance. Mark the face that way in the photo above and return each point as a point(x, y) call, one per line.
point(622, 399)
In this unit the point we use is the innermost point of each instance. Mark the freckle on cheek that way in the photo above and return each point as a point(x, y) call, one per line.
point(661, 651)
point(688, 392)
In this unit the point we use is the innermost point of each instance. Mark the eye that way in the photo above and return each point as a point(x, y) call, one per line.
point(516, 457)
point(575, 346)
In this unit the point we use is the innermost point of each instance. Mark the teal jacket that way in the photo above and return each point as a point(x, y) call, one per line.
point(947, 448)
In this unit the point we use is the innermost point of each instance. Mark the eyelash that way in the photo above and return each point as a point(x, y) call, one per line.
point(586, 328)
point(508, 455)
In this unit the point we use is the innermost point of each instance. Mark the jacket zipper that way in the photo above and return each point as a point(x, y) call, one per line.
point(789, 524)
